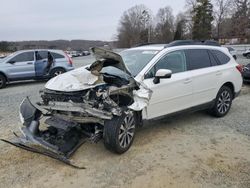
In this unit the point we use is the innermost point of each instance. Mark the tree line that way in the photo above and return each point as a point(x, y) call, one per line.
point(201, 20)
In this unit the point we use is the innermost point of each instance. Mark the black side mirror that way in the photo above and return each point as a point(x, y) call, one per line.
point(161, 74)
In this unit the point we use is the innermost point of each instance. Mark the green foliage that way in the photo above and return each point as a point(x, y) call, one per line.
point(179, 33)
point(202, 20)
point(4, 46)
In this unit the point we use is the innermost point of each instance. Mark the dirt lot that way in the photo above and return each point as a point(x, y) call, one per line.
point(191, 150)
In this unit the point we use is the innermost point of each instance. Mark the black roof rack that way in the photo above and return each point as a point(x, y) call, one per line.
point(192, 42)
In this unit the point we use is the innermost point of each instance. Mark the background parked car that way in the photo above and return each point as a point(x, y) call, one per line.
point(2, 56)
point(33, 64)
point(85, 53)
point(247, 54)
point(233, 52)
point(246, 73)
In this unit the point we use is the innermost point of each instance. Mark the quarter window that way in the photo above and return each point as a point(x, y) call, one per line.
point(222, 58)
point(174, 61)
point(213, 59)
point(197, 59)
point(56, 55)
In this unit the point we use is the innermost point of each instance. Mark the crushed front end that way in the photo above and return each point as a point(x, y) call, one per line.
point(74, 108)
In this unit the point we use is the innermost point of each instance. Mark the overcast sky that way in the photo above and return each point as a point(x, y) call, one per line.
point(68, 19)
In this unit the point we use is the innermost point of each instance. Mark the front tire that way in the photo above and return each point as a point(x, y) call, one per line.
point(119, 132)
point(2, 81)
point(223, 102)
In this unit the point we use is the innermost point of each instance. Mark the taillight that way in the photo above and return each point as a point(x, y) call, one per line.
point(240, 68)
point(69, 59)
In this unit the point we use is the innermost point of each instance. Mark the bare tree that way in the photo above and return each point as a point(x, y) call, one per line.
point(222, 9)
point(164, 29)
point(191, 4)
point(134, 26)
point(241, 19)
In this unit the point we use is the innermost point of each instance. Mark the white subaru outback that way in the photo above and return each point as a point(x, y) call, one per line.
point(111, 97)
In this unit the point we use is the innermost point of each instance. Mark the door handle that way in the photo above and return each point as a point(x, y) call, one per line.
point(29, 63)
point(218, 73)
point(187, 81)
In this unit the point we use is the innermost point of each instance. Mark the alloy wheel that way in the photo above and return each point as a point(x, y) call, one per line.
point(56, 73)
point(224, 102)
point(127, 131)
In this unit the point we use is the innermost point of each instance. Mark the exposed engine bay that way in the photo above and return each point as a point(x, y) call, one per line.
point(78, 106)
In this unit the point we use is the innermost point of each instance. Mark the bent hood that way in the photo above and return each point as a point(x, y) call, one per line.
point(106, 58)
point(88, 76)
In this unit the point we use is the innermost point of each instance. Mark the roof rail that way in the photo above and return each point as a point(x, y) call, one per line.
point(144, 44)
point(192, 42)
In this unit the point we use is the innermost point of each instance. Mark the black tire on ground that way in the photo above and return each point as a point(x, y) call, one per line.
point(248, 56)
point(2, 81)
point(235, 57)
point(57, 71)
point(223, 102)
point(119, 132)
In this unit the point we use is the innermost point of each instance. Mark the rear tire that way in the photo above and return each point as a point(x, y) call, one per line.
point(223, 102)
point(119, 132)
point(2, 81)
point(248, 56)
point(57, 71)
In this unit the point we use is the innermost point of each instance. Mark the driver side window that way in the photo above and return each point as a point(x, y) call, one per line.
point(174, 61)
point(23, 57)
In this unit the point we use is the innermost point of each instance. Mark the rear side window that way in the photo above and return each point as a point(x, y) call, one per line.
point(221, 57)
point(41, 55)
point(56, 55)
point(197, 59)
point(26, 56)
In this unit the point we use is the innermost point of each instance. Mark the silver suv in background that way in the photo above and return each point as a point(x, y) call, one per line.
point(33, 64)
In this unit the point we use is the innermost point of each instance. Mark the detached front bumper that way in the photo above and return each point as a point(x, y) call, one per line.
point(54, 142)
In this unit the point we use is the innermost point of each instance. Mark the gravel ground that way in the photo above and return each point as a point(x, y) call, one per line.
point(195, 150)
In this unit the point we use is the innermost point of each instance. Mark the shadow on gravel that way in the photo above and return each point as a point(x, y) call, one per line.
point(25, 83)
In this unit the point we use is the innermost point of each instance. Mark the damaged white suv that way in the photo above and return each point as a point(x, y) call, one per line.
point(111, 97)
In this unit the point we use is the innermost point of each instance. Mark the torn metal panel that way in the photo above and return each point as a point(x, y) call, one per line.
point(141, 98)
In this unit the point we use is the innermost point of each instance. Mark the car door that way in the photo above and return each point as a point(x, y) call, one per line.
point(172, 94)
point(21, 66)
point(205, 73)
point(41, 63)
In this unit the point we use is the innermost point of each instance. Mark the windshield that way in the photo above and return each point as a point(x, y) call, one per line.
point(7, 57)
point(136, 60)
